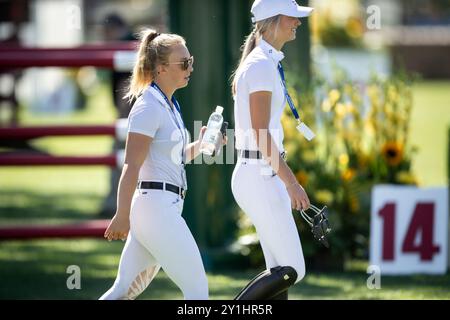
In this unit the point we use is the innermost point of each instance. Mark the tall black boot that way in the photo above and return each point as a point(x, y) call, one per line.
point(268, 284)
point(283, 295)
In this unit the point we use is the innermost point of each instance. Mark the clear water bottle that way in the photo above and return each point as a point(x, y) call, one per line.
point(212, 134)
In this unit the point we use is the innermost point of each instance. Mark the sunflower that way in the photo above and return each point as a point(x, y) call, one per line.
point(392, 152)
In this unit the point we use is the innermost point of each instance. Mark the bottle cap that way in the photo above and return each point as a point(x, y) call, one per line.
point(219, 109)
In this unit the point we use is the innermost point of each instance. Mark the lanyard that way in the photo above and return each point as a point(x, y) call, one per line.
point(286, 93)
point(174, 116)
point(301, 127)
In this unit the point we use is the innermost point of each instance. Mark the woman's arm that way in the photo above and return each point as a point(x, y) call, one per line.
point(260, 117)
point(137, 147)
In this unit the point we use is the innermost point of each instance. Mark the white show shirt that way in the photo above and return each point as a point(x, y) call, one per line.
point(152, 117)
point(259, 72)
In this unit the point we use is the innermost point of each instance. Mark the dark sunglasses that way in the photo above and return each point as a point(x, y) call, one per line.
point(185, 64)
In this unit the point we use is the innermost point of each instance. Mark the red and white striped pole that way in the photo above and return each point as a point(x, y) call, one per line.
point(26, 159)
point(118, 130)
point(119, 58)
point(90, 229)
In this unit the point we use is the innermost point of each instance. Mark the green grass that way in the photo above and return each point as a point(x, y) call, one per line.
point(59, 194)
point(37, 269)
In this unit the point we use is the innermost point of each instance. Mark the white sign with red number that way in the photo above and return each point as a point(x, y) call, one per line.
point(409, 229)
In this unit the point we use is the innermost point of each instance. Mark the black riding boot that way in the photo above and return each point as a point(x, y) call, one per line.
point(268, 284)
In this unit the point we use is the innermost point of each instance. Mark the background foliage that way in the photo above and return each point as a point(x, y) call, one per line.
point(362, 140)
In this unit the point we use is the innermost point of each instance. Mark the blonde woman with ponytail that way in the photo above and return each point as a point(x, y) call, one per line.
point(263, 185)
point(153, 183)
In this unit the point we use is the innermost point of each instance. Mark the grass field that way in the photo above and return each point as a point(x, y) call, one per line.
point(37, 269)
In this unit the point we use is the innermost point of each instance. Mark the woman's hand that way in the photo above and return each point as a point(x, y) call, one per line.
point(224, 140)
point(202, 133)
point(299, 198)
point(118, 228)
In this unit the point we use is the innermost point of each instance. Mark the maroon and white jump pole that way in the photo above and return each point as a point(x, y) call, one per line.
point(118, 130)
point(89, 229)
point(117, 57)
point(15, 159)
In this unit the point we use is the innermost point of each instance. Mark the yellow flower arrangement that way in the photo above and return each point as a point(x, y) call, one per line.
point(362, 140)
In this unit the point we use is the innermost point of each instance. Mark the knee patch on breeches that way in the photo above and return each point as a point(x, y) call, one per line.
point(268, 284)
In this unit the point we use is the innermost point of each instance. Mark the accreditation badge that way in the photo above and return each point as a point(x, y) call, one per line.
point(305, 131)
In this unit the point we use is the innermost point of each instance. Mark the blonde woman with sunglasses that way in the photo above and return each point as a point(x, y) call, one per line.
point(148, 216)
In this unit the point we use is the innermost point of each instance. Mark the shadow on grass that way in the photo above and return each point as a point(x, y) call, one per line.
point(37, 270)
point(19, 205)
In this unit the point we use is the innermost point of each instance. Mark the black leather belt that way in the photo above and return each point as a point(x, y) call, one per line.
point(255, 154)
point(162, 186)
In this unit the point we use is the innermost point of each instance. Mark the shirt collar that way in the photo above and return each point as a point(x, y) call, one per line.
point(273, 53)
point(158, 96)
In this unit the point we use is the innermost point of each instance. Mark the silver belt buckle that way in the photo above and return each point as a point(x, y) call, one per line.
point(183, 194)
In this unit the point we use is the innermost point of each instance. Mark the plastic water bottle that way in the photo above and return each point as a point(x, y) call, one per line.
point(212, 134)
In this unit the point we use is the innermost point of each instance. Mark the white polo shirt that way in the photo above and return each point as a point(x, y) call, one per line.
point(259, 72)
point(152, 117)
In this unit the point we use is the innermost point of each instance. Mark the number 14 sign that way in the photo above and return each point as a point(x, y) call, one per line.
point(409, 229)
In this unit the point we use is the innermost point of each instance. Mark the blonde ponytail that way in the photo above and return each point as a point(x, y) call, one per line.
point(247, 47)
point(251, 42)
point(154, 49)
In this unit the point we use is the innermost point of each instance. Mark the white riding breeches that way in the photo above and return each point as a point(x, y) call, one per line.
point(264, 198)
point(158, 237)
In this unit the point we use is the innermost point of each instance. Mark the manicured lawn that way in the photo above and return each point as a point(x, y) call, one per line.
point(37, 270)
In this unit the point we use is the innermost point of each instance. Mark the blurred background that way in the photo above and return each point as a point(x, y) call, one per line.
point(371, 77)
